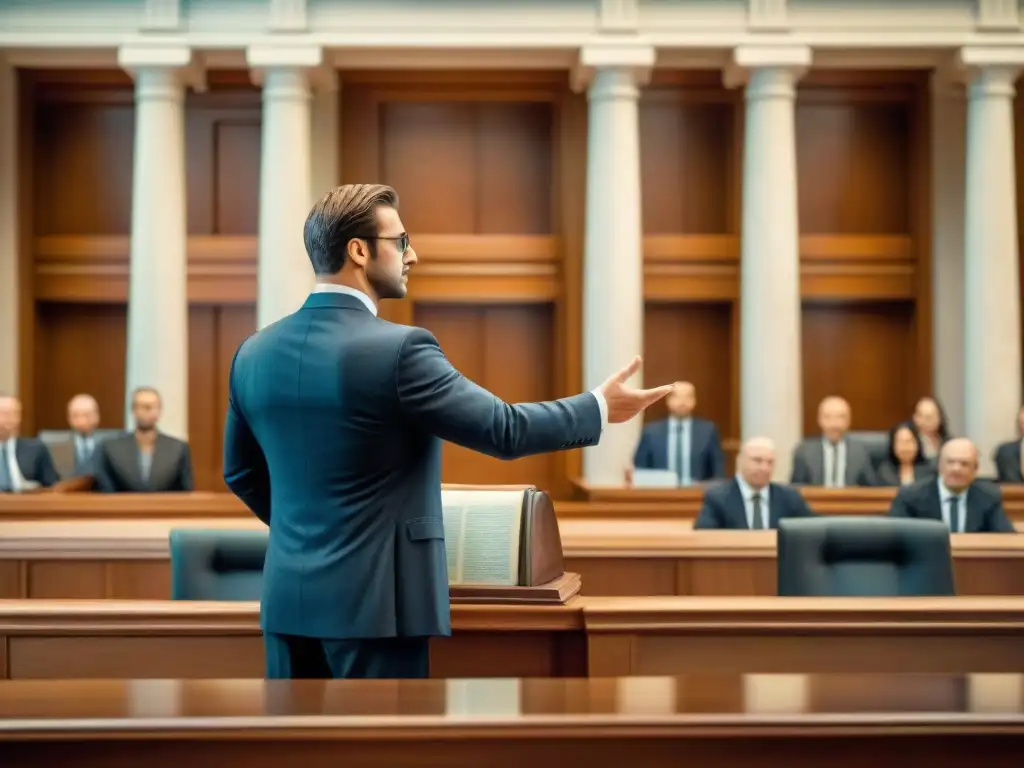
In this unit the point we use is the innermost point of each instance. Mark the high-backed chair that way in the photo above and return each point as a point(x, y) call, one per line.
point(876, 442)
point(862, 556)
point(217, 565)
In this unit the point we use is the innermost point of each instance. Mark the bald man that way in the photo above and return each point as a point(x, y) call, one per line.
point(832, 460)
point(683, 443)
point(25, 463)
point(957, 498)
point(750, 501)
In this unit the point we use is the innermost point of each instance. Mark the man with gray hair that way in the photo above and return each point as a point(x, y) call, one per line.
point(750, 501)
point(957, 498)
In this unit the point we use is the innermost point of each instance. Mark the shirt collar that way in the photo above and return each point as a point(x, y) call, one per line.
point(747, 491)
point(335, 288)
point(946, 494)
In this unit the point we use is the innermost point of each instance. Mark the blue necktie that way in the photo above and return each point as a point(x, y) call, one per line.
point(5, 471)
point(954, 514)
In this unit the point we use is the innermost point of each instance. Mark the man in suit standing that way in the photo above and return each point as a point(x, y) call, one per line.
point(750, 501)
point(333, 438)
point(687, 445)
point(25, 463)
point(146, 460)
point(832, 460)
point(956, 497)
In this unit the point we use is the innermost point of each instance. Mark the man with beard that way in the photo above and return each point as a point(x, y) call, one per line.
point(333, 439)
point(146, 460)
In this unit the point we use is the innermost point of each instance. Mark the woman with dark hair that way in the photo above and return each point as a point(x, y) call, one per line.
point(932, 427)
point(905, 462)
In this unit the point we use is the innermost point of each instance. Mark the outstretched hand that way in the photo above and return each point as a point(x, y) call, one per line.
point(625, 402)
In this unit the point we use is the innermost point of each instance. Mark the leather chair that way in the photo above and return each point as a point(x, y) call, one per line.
point(217, 565)
point(861, 556)
point(876, 442)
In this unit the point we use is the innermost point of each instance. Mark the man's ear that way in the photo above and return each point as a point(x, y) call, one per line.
point(358, 251)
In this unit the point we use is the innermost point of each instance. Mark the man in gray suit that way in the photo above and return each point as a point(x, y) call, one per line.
point(333, 439)
point(832, 460)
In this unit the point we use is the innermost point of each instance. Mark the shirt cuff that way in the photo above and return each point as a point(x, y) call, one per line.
point(602, 405)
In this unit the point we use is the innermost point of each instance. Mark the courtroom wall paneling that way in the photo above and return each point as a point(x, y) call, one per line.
point(79, 200)
point(1018, 126)
point(863, 181)
point(480, 162)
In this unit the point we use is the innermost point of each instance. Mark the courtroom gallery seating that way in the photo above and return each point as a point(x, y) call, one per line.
point(208, 564)
point(863, 557)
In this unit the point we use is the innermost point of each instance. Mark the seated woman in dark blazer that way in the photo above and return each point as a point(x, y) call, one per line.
point(906, 462)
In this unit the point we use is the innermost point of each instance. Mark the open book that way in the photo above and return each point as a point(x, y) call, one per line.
point(482, 533)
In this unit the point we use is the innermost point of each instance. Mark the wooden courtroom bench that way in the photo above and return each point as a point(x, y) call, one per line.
point(596, 637)
point(748, 720)
point(591, 504)
point(129, 558)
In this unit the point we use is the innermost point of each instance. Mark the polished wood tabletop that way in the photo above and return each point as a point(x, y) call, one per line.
point(814, 702)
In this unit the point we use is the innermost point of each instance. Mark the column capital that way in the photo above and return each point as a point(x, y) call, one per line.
point(788, 62)
point(157, 64)
point(305, 61)
point(990, 71)
point(631, 56)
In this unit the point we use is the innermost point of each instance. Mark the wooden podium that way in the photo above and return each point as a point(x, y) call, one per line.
point(542, 576)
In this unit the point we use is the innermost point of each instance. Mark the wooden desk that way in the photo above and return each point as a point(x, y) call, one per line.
point(129, 558)
point(596, 637)
point(747, 720)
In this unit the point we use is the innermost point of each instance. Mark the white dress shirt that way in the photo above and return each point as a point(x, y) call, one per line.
point(13, 470)
point(602, 404)
point(834, 456)
point(747, 491)
point(961, 507)
point(676, 424)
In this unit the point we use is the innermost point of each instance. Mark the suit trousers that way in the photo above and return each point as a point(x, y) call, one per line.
point(290, 657)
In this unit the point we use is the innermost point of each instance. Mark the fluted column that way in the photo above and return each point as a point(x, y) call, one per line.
point(613, 300)
point(284, 274)
point(9, 273)
point(771, 399)
point(992, 335)
point(157, 286)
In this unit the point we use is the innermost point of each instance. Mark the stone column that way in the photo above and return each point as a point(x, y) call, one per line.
point(157, 290)
point(284, 274)
point(771, 397)
point(949, 118)
point(613, 300)
point(9, 246)
point(325, 136)
point(992, 334)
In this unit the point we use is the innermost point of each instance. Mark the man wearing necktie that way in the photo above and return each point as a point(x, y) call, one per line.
point(84, 418)
point(957, 498)
point(750, 501)
point(832, 460)
point(24, 462)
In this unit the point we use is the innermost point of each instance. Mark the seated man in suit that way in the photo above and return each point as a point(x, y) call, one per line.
point(832, 460)
point(964, 504)
point(145, 460)
point(1007, 457)
point(75, 456)
point(751, 500)
point(683, 443)
point(25, 463)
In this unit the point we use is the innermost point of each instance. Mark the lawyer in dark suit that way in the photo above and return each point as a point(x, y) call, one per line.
point(146, 460)
point(1007, 456)
point(683, 443)
point(333, 438)
point(750, 501)
point(964, 504)
point(23, 460)
point(906, 462)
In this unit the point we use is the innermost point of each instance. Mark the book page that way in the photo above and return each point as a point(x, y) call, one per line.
point(481, 531)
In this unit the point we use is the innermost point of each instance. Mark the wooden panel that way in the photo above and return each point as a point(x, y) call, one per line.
point(862, 352)
point(508, 349)
point(693, 342)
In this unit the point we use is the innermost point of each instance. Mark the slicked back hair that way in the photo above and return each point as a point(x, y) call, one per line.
point(343, 214)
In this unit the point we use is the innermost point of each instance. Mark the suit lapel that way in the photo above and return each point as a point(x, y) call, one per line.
point(774, 505)
point(23, 457)
point(698, 439)
point(125, 454)
point(661, 444)
point(165, 457)
point(976, 506)
point(738, 506)
point(817, 461)
point(934, 503)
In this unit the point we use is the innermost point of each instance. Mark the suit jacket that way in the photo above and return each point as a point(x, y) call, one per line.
point(67, 460)
point(117, 466)
point(888, 474)
point(985, 512)
point(707, 461)
point(809, 463)
point(1007, 460)
point(723, 506)
point(34, 461)
point(333, 438)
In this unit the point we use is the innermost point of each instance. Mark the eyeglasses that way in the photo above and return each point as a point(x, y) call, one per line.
point(401, 241)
